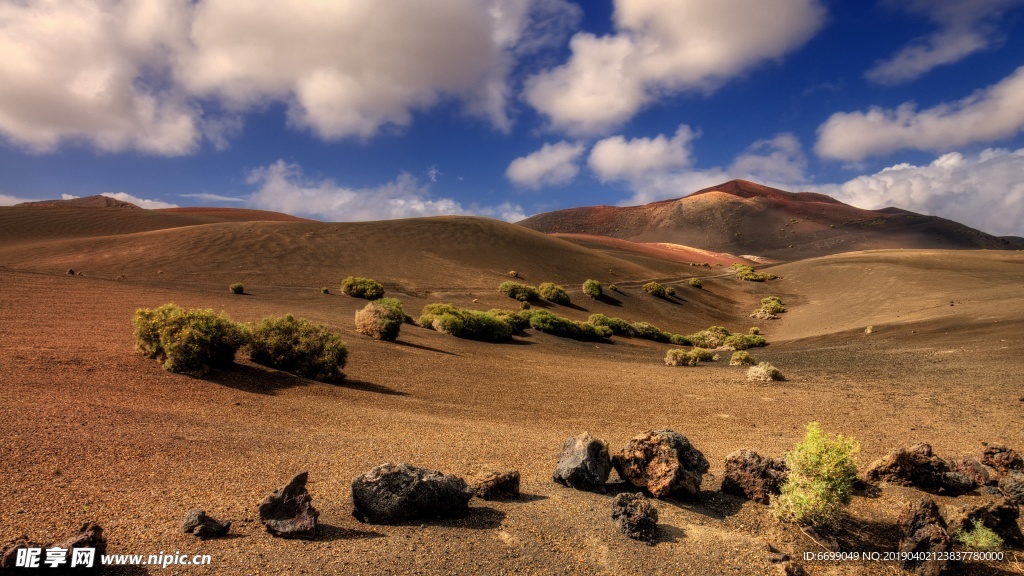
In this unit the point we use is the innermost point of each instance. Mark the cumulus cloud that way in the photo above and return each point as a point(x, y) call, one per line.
point(615, 158)
point(984, 191)
point(552, 165)
point(664, 47)
point(7, 200)
point(991, 114)
point(963, 29)
point(282, 187)
point(94, 72)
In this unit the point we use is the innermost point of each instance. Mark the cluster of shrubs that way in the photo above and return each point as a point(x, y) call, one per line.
point(719, 337)
point(642, 330)
point(742, 358)
point(469, 324)
point(680, 357)
point(518, 291)
point(237, 288)
point(745, 272)
point(771, 306)
point(362, 288)
point(696, 283)
point(544, 321)
point(764, 372)
point(196, 341)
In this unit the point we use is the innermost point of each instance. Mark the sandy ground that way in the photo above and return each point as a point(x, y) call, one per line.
point(94, 431)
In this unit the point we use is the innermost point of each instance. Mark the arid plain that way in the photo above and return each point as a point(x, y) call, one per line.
point(93, 431)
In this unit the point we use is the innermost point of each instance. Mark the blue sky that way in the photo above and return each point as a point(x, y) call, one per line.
point(505, 108)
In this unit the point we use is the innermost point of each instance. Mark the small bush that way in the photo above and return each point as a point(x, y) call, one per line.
point(670, 291)
point(742, 358)
point(713, 337)
point(187, 341)
point(745, 272)
point(680, 357)
point(772, 304)
point(979, 538)
point(237, 288)
point(613, 288)
point(820, 480)
point(649, 332)
point(325, 290)
point(593, 289)
point(618, 326)
point(680, 340)
point(362, 288)
point(743, 341)
point(655, 289)
point(299, 347)
point(381, 319)
point(696, 283)
point(524, 305)
point(520, 292)
point(553, 293)
point(463, 323)
point(549, 323)
point(764, 372)
point(754, 330)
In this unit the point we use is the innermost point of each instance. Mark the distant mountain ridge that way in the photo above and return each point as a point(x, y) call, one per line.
point(741, 217)
point(96, 201)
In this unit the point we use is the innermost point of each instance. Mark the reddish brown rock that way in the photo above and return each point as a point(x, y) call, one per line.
point(751, 476)
point(923, 530)
point(497, 486)
point(664, 462)
point(635, 516)
point(288, 511)
point(918, 466)
point(1002, 458)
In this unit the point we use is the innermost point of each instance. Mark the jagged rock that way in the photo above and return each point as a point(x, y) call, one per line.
point(918, 466)
point(751, 476)
point(973, 469)
point(1012, 486)
point(202, 526)
point(635, 516)
point(584, 463)
point(1002, 458)
point(288, 511)
point(497, 486)
point(664, 462)
point(923, 530)
point(9, 551)
point(999, 516)
point(393, 493)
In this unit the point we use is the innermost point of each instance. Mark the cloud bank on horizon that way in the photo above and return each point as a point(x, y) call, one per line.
point(351, 110)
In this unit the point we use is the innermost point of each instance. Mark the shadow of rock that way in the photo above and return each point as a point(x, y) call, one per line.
point(479, 518)
point(330, 533)
point(668, 533)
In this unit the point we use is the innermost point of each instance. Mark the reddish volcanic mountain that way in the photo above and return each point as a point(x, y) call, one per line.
point(741, 217)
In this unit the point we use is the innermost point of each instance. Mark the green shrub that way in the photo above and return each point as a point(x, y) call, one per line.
point(743, 341)
point(613, 288)
point(772, 304)
point(519, 320)
point(325, 290)
point(463, 323)
point(670, 291)
point(593, 289)
point(713, 337)
point(745, 272)
point(655, 289)
point(696, 283)
point(980, 538)
point(741, 358)
point(187, 342)
point(680, 357)
point(754, 330)
point(764, 372)
point(362, 288)
point(618, 326)
point(520, 292)
point(820, 480)
point(237, 288)
point(381, 319)
point(299, 347)
point(549, 323)
point(680, 340)
point(649, 332)
point(553, 293)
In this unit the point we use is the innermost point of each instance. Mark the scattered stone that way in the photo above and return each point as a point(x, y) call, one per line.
point(71, 272)
point(751, 476)
point(664, 462)
point(497, 486)
point(1002, 458)
point(635, 516)
point(584, 463)
point(999, 516)
point(1012, 486)
point(974, 470)
point(918, 466)
point(288, 511)
point(202, 526)
point(923, 530)
point(393, 493)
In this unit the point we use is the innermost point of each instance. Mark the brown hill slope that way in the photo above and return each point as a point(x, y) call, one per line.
point(741, 217)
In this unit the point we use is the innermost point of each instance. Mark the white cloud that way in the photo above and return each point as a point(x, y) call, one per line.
point(615, 158)
point(94, 72)
point(664, 47)
point(983, 191)
point(284, 188)
point(6, 200)
point(991, 114)
point(963, 29)
point(213, 197)
point(776, 160)
point(552, 165)
point(140, 202)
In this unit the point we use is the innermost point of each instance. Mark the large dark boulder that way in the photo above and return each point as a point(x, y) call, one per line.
point(497, 485)
point(924, 531)
point(752, 476)
point(1012, 486)
point(664, 462)
point(918, 466)
point(635, 516)
point(1000, 516)
point(1002, 458)
point(393, 493)
point(584, 463)
point(288, 511)
point(202, 526)
point(973, 469)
